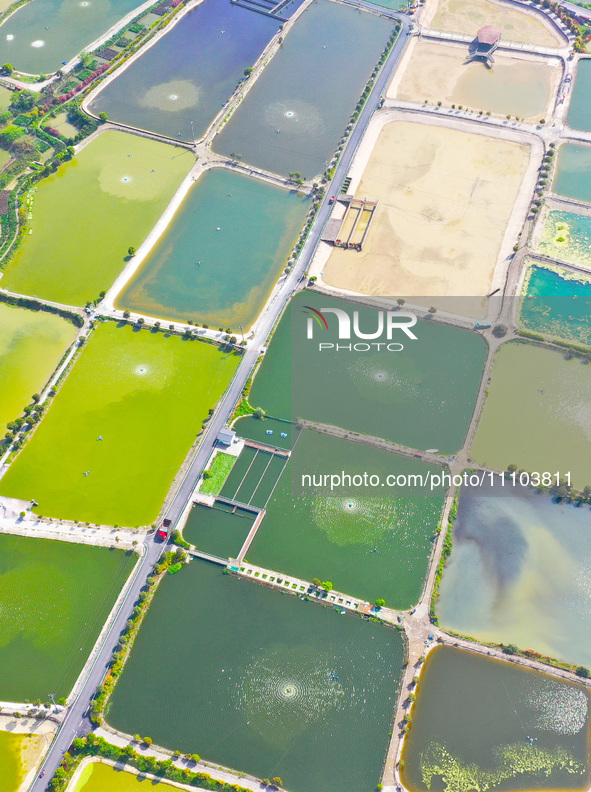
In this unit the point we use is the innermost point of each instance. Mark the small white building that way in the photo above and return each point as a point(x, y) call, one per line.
point(226, 436)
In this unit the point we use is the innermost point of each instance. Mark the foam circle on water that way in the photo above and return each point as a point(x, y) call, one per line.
point(172, 96)
point(10, 37)
point(141, 370)
point(294, 117)
point(38, 43)
point(348, 520)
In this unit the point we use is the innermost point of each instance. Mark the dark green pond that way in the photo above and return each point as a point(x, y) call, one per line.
point(481, 724)
point(218, 530)
point(262, 682)
point(422, 397)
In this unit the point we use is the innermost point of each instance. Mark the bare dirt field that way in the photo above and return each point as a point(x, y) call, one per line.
point(445, 200)
point(467, 16)
point(518, 85)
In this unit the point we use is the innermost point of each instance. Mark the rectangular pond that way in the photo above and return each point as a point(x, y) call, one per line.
point(296, 112)
point(220, 257)
point(519, 574)
point(566, 236)
point(293, 702)
point(480, 723)
point(219, 530)
point(180, 83)
point(254, 476)
point(557, 303)
point(572, 177)
point(54, 597)
point(88, 213)
point(579, 111)
point(275, 432)
point(367, 544)
point(124, 420)
point(407, 396)
point(32, 343)
point(99, 777)
point(11, 761)
point(43, 34)
point(537, 414)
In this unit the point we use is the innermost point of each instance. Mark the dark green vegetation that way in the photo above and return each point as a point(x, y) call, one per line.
point(291, 703)
point(410, 396)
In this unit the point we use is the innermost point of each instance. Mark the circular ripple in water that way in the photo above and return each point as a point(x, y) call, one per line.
point(285, 691)
point(142, 370)
point(294, 117)
point(171, 96)
point(380, 384)
point(348, 521)
point(557, 707)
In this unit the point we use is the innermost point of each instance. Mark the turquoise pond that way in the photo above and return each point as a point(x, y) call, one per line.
point(220, 257)
point(573, 172)
point(566, 236)
point(557, 304)
point(579, 111)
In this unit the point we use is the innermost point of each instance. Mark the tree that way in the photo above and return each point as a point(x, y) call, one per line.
point(126, 314)
point(316, 582)
point(400, 301)
point(9, 135)
point(327, 585)
point(259, 413)
point(248, 71)
point(277, 781)
point(500, 330)
point(103, 117)
point(36, 397)
point(86, 58)
point(131, 251)
point(380, 603)
point(510, 649)
point(7, 69)
point(582, 672)
point(432, 310)
point(147, 741)
point(24, 146)
point(23, 100)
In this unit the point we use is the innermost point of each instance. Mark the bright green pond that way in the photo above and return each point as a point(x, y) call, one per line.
point(54, 598)
point(221, 255)
point(292, 702)
point(146, 395)
point(557, 304)
point(573, 172)
point(519, 573)
point(87, 214)
point(31, 345)
point(43, 33)
point(567, 236)
point(10, 761)
point(482, 724)
point(98, 777)
point(370, 546)
point(409, 396)
point(536, 414)
point(294, 115)
point(579, 112)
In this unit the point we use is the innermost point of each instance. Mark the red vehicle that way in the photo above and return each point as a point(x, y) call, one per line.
point(163, 532)
point(332, 199)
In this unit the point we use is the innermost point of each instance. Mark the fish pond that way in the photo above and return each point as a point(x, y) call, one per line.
point(54, 597)
point(254, 476)
point(291, 703)
point(219, 530)
point(11, 762)
point(99, 777)
point(269, 431)
point(221, 255)
point(537, 414)
point(519, 574)
point(573, 172)
point(124, 420)
point(178, 85)
point(557, 303)
point(566, 236)
point(87, 214)
point(579, 111)
point(42, 34)
point(291, 120)
point(367, 544)
point(31, 345)
point(407, 396)
point(480, 723)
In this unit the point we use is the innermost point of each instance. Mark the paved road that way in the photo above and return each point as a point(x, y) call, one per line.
point(75, 722)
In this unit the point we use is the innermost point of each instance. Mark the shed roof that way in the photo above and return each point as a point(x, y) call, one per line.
point(489, 34)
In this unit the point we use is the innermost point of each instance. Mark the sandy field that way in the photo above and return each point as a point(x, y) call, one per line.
point(445, 198)
point(518, 85)
point(467, 16)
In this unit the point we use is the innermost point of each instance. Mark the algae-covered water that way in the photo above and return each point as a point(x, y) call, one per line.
point(369, 545)
point(557, 303)
point(54, 598)
point(519, 574)
point(296, 112)
point(123, 421)
point(485, 724)
point(579, 112)
point(178, 85)
point(87, 215)
point(31, 345)
point(308, 696)
point(536, 414)
point(44, 33)
point(99, 777)
point(219, 259)
point(422, 396)
point(11, 762)
point(573, 171)
point(566, 236)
